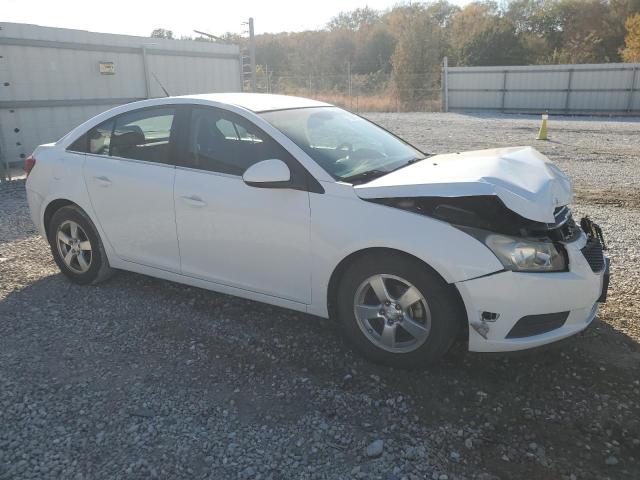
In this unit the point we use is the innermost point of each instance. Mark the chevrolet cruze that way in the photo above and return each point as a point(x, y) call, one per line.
point(300, 204)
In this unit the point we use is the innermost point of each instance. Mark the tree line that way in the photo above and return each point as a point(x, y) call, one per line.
point(401, 49)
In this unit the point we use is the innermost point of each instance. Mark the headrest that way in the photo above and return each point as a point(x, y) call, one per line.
point(127, 136)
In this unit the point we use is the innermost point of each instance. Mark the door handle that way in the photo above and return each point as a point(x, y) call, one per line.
point(194, 200)
point(102, 181)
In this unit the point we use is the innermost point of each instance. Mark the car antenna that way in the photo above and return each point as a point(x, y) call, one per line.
point(161, 86)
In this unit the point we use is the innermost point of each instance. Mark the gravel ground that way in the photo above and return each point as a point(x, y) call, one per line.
point(143, 378)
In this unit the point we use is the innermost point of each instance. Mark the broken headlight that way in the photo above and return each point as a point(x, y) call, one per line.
point(522, 254)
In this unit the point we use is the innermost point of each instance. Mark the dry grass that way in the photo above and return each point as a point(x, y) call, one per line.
point(378, 103)
point(371, 103)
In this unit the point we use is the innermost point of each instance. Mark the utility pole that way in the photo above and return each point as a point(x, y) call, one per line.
point(349, 80)
point(445, 84)
point(252, 55)
point(266, 72)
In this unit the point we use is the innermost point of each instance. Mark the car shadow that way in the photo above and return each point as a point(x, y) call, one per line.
point(128, 294)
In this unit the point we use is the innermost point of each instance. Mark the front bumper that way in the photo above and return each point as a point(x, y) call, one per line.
point(495, 303)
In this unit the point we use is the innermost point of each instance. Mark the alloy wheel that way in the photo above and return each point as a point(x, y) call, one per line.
point(74, 246)
point(392, 313)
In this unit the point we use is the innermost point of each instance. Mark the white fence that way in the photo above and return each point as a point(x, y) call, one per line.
point(610, 88)
point(52, 79)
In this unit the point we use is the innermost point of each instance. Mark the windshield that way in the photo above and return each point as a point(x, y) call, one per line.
point(347, 146)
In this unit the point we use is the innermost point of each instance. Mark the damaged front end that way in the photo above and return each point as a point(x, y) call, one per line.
point(519, 243)
point(487, 212)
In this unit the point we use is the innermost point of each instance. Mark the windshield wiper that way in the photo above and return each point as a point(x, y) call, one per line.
point(412, 161)
point(363, 177)
point(369, 175)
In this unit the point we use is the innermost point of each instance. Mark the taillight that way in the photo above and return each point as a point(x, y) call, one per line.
point(29, 163)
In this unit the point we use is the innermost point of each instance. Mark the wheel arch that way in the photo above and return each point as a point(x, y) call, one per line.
point(51, 208)
point(341, 268)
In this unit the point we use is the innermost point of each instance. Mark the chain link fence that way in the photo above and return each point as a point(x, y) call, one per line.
point(372, 92)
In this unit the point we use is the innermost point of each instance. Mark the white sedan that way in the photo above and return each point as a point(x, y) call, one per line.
point(300, 204)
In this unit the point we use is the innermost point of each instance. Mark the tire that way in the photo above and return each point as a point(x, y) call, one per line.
point(88, 263)
point(413, 330)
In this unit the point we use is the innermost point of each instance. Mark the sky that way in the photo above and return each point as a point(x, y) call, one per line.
point(140, 17)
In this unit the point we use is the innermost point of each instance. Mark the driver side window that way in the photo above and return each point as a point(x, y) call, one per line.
point(223, 142)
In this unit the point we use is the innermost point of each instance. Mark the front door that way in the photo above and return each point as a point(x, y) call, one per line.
point(230, 233)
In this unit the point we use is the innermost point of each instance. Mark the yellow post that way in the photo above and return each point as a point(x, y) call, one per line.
point(542, 133)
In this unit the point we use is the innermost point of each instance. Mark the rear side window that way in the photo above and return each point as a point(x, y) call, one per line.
point(80, 145)
point(99, 138)
point(143, 135)
point(220, 141)
point(95, 141)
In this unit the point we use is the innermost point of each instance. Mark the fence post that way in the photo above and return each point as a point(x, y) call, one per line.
point(252, 54)
point(445, 84)
point(633, 84)
point(145, 65)
point(6, 172)
point(566, 99)
point(349, 83)
point(504, 89)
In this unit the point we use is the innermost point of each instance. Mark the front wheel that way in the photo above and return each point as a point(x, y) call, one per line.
point(396, 311)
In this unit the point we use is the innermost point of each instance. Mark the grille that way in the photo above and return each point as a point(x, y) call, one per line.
point(592, 252)
point(565, 228)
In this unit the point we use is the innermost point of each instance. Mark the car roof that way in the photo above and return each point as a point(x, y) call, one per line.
point(258, 102)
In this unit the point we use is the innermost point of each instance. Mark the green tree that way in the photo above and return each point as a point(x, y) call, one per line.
point(416, 61)
point(497, 44)
point(355, 20)
point(617, 12)
point(482, 35)
point(537, 26)
point(373, 50)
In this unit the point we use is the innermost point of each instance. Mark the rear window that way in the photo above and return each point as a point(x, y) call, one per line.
point(139, 135)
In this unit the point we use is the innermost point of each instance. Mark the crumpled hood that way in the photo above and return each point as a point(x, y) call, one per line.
point(525, 180)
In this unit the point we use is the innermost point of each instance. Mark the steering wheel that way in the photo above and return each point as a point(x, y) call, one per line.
point(345, 146)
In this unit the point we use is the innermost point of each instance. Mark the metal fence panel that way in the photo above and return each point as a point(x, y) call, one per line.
point(612, 88)
point(531, 100)
point(51, 78)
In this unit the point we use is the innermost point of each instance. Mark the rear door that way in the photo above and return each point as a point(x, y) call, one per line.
point(129, 173)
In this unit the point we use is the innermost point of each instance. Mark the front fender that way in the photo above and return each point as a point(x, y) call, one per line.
point(455, 255)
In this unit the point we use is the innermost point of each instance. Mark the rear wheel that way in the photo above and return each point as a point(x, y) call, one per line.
point(396, 311)
point(76, 246)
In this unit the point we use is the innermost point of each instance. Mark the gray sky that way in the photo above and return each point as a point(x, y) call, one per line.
point(140, 17)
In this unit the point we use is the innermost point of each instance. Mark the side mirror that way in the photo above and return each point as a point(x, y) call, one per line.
point(268, 174)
